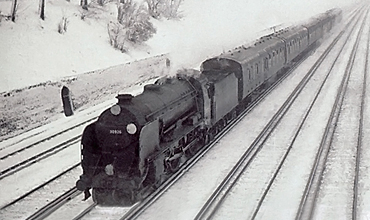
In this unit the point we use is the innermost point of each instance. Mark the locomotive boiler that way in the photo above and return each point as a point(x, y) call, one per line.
point(133, 142)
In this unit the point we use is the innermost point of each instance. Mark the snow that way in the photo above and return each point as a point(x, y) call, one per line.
point(32, 51)
point(288, 188)
point(30, 108)
point(364, 167)
point(335, 200)
point(28, 178)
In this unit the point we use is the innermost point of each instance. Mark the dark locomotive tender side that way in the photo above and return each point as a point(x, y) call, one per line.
point(136, 144)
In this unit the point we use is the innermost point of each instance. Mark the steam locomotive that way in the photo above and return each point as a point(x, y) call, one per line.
point(136, 144)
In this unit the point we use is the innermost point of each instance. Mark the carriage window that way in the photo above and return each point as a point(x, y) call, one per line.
point(256, 68)
point(266, 66)
point(271, 60)
point(249, 73)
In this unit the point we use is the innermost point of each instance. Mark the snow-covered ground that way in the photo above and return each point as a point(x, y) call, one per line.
point(335, 198)
point(29, 108)
point(32, 51)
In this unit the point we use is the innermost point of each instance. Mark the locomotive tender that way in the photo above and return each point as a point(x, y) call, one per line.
point(137, 143)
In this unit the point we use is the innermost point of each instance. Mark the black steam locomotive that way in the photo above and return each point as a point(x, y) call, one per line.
point(138, 142)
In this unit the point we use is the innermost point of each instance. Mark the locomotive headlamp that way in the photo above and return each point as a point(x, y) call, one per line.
point(109, 170)
point(131, 128)
point(115, 109)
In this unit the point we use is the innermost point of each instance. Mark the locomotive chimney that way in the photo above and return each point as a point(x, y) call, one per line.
point(151, 87)
point(124, 98)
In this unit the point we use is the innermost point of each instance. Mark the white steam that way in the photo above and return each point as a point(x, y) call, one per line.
point(211, 26)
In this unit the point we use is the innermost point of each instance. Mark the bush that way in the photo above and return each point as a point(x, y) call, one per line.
point(101, 2)
point(154, 7)
point(117, 34)
point(133, 26)
point(172, 9)
point(163, 8)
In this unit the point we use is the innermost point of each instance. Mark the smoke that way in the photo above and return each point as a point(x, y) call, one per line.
point(209, 27)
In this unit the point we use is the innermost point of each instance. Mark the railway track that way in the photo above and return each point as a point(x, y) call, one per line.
point(18, 146)
point(310, 196)
point(217, 198)
point(55, 204)
point(13, 166)
point(360, 145)
point(39, 196)
point(309, 204)
point(28, 155)
point(22, 153)
point(360, 140)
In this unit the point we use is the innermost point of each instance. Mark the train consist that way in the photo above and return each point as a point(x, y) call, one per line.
point(137, 143)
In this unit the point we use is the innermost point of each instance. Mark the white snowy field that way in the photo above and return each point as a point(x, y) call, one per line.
point(32, 51)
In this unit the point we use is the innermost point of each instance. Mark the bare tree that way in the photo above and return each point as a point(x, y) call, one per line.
point(165, 8)
point(133, 26)
point(42, 9)
point(125, 11)
point(14, 9)
point(101, 2)
point(154, 7)
point(83, 3)
point(171, 8)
